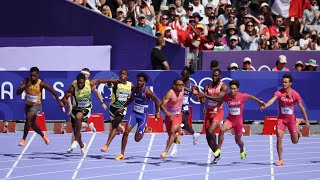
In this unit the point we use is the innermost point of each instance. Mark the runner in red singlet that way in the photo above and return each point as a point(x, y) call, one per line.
point(215, 90)
point(287, 98)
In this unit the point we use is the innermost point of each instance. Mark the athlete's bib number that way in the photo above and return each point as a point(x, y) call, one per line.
point(123, 97)
point(185, 100)
point(138, 108)
point(212, 103)
point(32, 98)
point(235, 111)
point(83, 103)
point(287, 110)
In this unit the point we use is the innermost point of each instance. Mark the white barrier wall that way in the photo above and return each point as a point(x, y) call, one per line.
point(56, 58)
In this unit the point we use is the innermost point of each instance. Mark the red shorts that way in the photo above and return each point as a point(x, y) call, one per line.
point(290, 123)
point(176, 121)
point(211, 117)
point(236, 125)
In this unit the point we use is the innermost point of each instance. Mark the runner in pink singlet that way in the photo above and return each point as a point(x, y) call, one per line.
point(234, 120)
point(287, 98)
point(171, 106)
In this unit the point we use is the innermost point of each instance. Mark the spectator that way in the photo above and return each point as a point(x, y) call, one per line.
point(142, 26)
point(145, 7)
point(274, 45)
point(265, 29)
point(120, 15)
point(233, 67)
point(310, 17)
point(185, 18)
point(130, 11)
point(129, 21)
point(233, 45)
point(211, 26)
point(158, 60)
point(291, 45)
point(312, 65)
point(305, 41)
point(218, 44)
point(179, 9)
point(250, 38)
point(231, 21)
point(299, 66)
point(208, 12)
point(274, 29)
point(280, 64)
point(265, 10)
point(247, 64)
point(171, 12)
point(231, 31)
point(162, 23)
point(282, 38)
point(208, 41)
point(198, 7)
point(214, 64)
point(263, 45)
point(105, 10)
point(223, 18)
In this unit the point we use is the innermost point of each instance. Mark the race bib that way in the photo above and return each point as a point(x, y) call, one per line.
point(32, 98)
point(212, 103)
point(186, 108)
point(123, 97)
point(138, 108)
point(235, 111)
point(287, 110)
point(83, 103)
point(185, 100)
point(174, 110)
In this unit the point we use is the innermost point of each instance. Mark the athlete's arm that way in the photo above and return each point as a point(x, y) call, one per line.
point(22, 86)
point(164, 101)
point(203, 99)
point(304, 113)
point(53, 92)
point(270, 102)
point(156, 102)
point(98, 95)
point(68, 94)
point(223, 91)
point(256, 99)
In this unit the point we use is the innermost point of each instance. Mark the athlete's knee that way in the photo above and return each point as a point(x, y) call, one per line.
point(126, 133)
point(295, 141)
point(138, 137)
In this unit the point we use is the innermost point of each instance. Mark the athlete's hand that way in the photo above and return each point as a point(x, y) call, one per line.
point(214, 111)
point(28, 82)
point(157, 115)
point(69, 111)
point(262, 108)
point(120, 111)
point(308, 124)
point(171, 116)
point(104, 106)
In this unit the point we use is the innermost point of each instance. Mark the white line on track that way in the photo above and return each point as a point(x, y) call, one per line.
point(208, 165)
point(146, 158)
point(82, 159)
point(271, 158)
point(23, 151)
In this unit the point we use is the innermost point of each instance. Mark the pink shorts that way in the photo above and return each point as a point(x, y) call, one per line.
point(211, 117)
point(236, 125)
point(290, 123)
point(176, 121)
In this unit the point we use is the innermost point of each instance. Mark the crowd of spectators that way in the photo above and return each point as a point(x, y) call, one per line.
point(218, 25)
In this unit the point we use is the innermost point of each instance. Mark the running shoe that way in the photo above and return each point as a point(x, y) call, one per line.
point(195, 138)
point(216, 159)
point(279, 163)
point(120, 157)
point(22, 141)
point(104, 148)
point(92, 128)
point(217, 153)
point(174, 150)
point(163, 155)
point(83, 150)
point(243, 155)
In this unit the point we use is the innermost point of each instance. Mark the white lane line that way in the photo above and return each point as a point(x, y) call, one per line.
point(208, 165)
point(146, 158)
point(23, 151)
point(85, 155)
point(271, 157)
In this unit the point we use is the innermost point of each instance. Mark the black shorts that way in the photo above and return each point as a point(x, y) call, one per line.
point(85, 111)
point(113, 112)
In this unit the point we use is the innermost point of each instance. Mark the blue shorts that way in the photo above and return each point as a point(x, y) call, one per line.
point(141, 119)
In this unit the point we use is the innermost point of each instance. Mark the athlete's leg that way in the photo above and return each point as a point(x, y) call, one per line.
point(172, 136)
point(211, 136)
point(142, 122)
point(186, 126)
point(77, 128)
point(115, 123)
point(225, 127)
point(281, 127)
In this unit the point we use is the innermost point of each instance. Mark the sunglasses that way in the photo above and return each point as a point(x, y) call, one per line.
point(233, 40)
point(232, 17)
point(261, 18)
point(164, 18)
point(299, 65)
point(129, 21)
point(250, 25)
